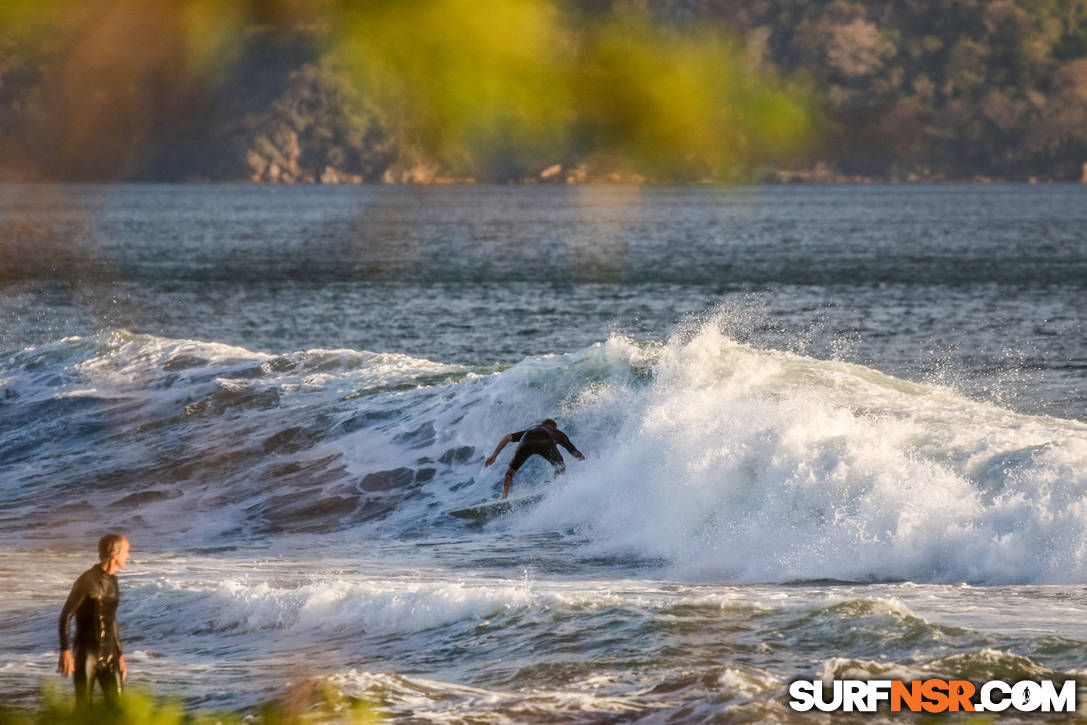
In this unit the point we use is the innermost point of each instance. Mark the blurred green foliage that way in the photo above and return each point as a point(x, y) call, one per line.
point(310, 705)
point(685, 105)
point(504, 88)
point(467, 83)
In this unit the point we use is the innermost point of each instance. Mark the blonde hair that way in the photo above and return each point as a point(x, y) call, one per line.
point(109, 546)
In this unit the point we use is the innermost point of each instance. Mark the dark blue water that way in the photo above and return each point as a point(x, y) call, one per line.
point(981, 285)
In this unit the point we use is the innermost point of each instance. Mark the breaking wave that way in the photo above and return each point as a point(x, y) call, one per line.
point(715, 459)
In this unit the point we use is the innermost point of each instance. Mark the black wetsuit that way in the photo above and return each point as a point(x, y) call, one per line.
point(541, 441)
point(97, 647)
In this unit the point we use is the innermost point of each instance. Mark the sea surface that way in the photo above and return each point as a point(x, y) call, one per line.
point(830, 432)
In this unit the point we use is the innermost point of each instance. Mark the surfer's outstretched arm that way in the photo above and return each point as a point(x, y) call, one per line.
point(564, 441)
point(501, 444)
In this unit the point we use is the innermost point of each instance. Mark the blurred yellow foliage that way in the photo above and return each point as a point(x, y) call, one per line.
point(464, 78)
point(683, 106)
point(30, 21)
point(310, 704)
point(468, 79)
point(210, 29)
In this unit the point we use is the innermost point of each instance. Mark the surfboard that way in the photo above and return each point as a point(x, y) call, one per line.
point(488, 510)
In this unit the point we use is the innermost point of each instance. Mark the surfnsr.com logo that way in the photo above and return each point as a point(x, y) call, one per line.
point(932, 696)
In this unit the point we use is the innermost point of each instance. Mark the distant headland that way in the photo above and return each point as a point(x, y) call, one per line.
point(862, 92)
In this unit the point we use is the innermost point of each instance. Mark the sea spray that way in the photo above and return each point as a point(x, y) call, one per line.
point(741, 464)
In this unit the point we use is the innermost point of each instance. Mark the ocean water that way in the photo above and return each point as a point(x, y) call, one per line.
point(831, 432)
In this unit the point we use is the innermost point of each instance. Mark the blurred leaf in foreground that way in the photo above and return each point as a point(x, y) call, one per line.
point(505, 88)
point(130, 89)
point(308, 703)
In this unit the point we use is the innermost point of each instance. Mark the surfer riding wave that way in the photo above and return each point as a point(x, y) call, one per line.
point(542, 440)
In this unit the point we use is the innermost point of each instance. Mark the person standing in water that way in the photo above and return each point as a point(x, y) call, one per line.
point(543, 440)
point(93, 603)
